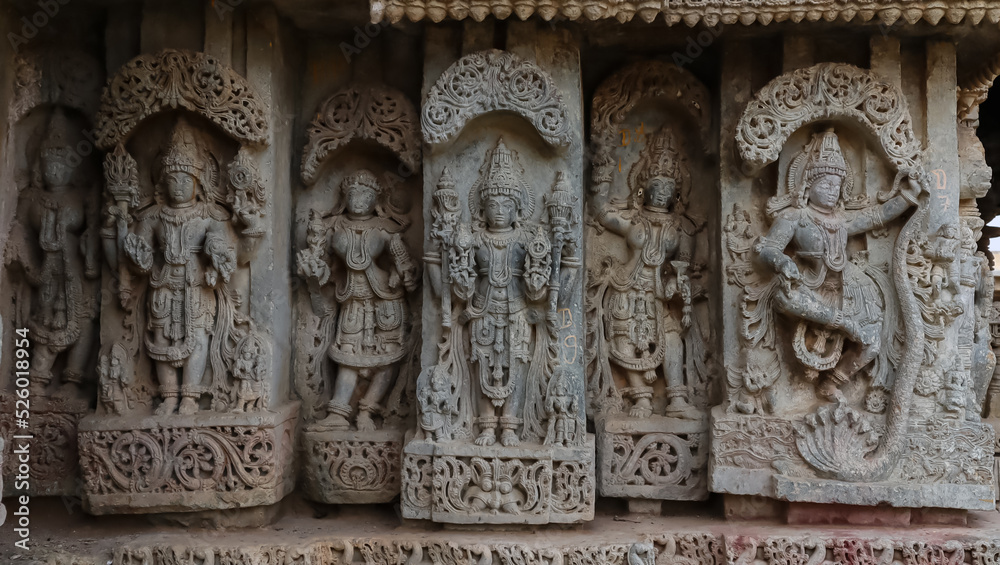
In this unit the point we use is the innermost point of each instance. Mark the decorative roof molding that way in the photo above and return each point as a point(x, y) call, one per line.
point(374, 112)
point(490, 81)
point(692, 12)
point(823, 92)
point(174, 79)
point(974, 89)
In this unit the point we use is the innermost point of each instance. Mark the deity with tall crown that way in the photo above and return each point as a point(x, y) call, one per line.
point(647, 306)
point(830, 297)
point(56, 246)
point(504, 282)
point(372, 329)
point(185, 245)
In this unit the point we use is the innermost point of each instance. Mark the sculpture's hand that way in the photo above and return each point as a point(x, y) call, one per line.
point(394, 280)
point(211, 277)
point(139, 251)
point(224, 260)
point(912, 190)
point(686, 318)
point(313, 267)
point(789, 270)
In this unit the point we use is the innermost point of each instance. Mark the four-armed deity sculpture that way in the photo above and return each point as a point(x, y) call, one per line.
point(647, 304)
point(186, 247)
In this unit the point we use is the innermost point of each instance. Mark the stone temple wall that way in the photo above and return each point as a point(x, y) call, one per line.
point(476, 282)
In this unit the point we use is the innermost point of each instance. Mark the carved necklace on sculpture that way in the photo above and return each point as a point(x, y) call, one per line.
point(500, 269)
point(359, 253)
point(834, 232)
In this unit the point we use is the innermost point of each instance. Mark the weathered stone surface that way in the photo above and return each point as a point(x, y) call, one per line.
point(502, 435)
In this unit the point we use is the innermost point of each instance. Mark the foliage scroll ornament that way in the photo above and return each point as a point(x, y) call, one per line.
point(370, 112)
point(489, 81)
point(175, 79)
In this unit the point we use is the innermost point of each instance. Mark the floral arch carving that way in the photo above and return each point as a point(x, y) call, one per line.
point(173, 79)
point(820, 92)
point(373, 112)
point(489, 81)
point(646, 80)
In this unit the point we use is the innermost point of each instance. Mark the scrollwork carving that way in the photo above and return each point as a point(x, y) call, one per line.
point(489, 81)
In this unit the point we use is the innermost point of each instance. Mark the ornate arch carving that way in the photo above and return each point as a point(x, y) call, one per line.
point(489, 81)
point(171, 79)
point(374, 112)
point(820, 92)
point(626, 89)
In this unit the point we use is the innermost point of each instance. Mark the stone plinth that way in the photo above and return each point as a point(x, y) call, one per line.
point(637, 459)
point(53, 450)
point(459, 483)
point(946, 466)
point(350, 467)
point(177, 463)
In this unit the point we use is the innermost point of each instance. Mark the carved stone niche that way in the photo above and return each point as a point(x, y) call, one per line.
point(50, 291)
point(359, 237)
point(191, 415)
point(501, 396)
point(650, 375)
point(851, 384)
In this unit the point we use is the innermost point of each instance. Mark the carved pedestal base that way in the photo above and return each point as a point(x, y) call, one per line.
point(347, 467)
point(52, 425)
point(151, 464)
point(941, 464)
point(459, 483)
point(637, 459)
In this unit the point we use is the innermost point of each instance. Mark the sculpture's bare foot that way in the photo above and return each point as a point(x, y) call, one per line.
point(331, 422)
point(641, 409)
point(365, 423)
point(679, 408)
point(188, 406)
point(509, 439)
point(487, 438)
point(69, 391)
point(167, 407)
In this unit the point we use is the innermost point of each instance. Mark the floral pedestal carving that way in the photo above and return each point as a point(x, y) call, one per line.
point(349, 467)
point(459, 483)
point(206, 461)
point(636, 458)
point(942, 465)
point(54, 459)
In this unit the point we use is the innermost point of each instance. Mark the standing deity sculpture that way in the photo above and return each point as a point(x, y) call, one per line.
point(831, 298)
point(55, 245)
point(185, 246)
point(647, 305)
point(373, 272)
point(504, 284)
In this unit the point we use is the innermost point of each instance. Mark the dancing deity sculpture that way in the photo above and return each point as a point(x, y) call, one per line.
point(830, 297)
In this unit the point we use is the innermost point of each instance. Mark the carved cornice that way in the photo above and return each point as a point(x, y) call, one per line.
point(692, 12)
point(490, 81)
point(975, 88)
point(174, 79)
point(822, 92)
point(372, 112)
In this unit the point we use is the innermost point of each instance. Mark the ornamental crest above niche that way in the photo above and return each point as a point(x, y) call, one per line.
point(185, 362)
point(501, 405)
point(490, 81)
point(846, 379)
